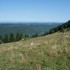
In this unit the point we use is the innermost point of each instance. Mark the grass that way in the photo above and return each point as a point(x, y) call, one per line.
point(51, 52)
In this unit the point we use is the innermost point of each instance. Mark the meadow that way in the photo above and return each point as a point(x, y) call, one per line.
point(50, 52)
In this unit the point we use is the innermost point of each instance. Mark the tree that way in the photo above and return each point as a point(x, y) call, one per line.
point(17, 37)
point(26, 36)
point(1, 40)
point(6, 40)
point(20, 37)
point(0, 37)
point(11, 38)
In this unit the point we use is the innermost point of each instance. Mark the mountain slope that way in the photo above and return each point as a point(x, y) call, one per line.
point(51, 52)
point(61, 28)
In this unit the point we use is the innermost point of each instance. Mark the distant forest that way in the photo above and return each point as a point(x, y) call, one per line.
point(13, 38)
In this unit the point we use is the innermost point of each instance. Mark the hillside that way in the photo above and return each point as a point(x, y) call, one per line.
point(51, 52)
point(61, 28)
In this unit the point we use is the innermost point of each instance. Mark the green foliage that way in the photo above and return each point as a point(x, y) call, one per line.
point(34, 35)
point(20, 37)
point(17, 37)
point(26, 36)
point(6, 39)
point(11, 38)
point(1, 39)
point(58, 28)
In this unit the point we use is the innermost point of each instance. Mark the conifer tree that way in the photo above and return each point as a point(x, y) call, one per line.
point(0, 37)
point(20, 37)
point(6, 40)
point(26, 36)
point(11, 37)
point(17, 37)
point(1, 40)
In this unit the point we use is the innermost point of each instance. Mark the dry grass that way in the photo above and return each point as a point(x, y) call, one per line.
point(51, 52)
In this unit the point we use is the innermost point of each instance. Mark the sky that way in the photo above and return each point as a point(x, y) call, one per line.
point(34, 10)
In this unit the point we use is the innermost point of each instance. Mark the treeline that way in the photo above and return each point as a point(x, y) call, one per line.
point(59, 28)
point(15, 37)
point(10, 38)
point(30, 36)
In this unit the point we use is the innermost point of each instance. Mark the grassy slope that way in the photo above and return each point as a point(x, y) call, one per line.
point(51, 52)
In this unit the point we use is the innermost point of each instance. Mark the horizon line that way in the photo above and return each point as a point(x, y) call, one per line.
point(32, 22)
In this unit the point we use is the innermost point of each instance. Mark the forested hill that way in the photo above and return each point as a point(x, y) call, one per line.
point(60, 28)
point(65, 25)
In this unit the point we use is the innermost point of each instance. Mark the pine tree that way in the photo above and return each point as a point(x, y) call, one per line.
point(1, 40)
point(0, 37)
point(20, 37)
point(26, 36)
point(6, 40)
point(17, 37)
point(11, 37)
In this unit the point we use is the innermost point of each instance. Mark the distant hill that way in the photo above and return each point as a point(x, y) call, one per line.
point(27, 28)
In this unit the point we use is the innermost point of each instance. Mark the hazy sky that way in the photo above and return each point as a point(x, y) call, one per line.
point(34, 10)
